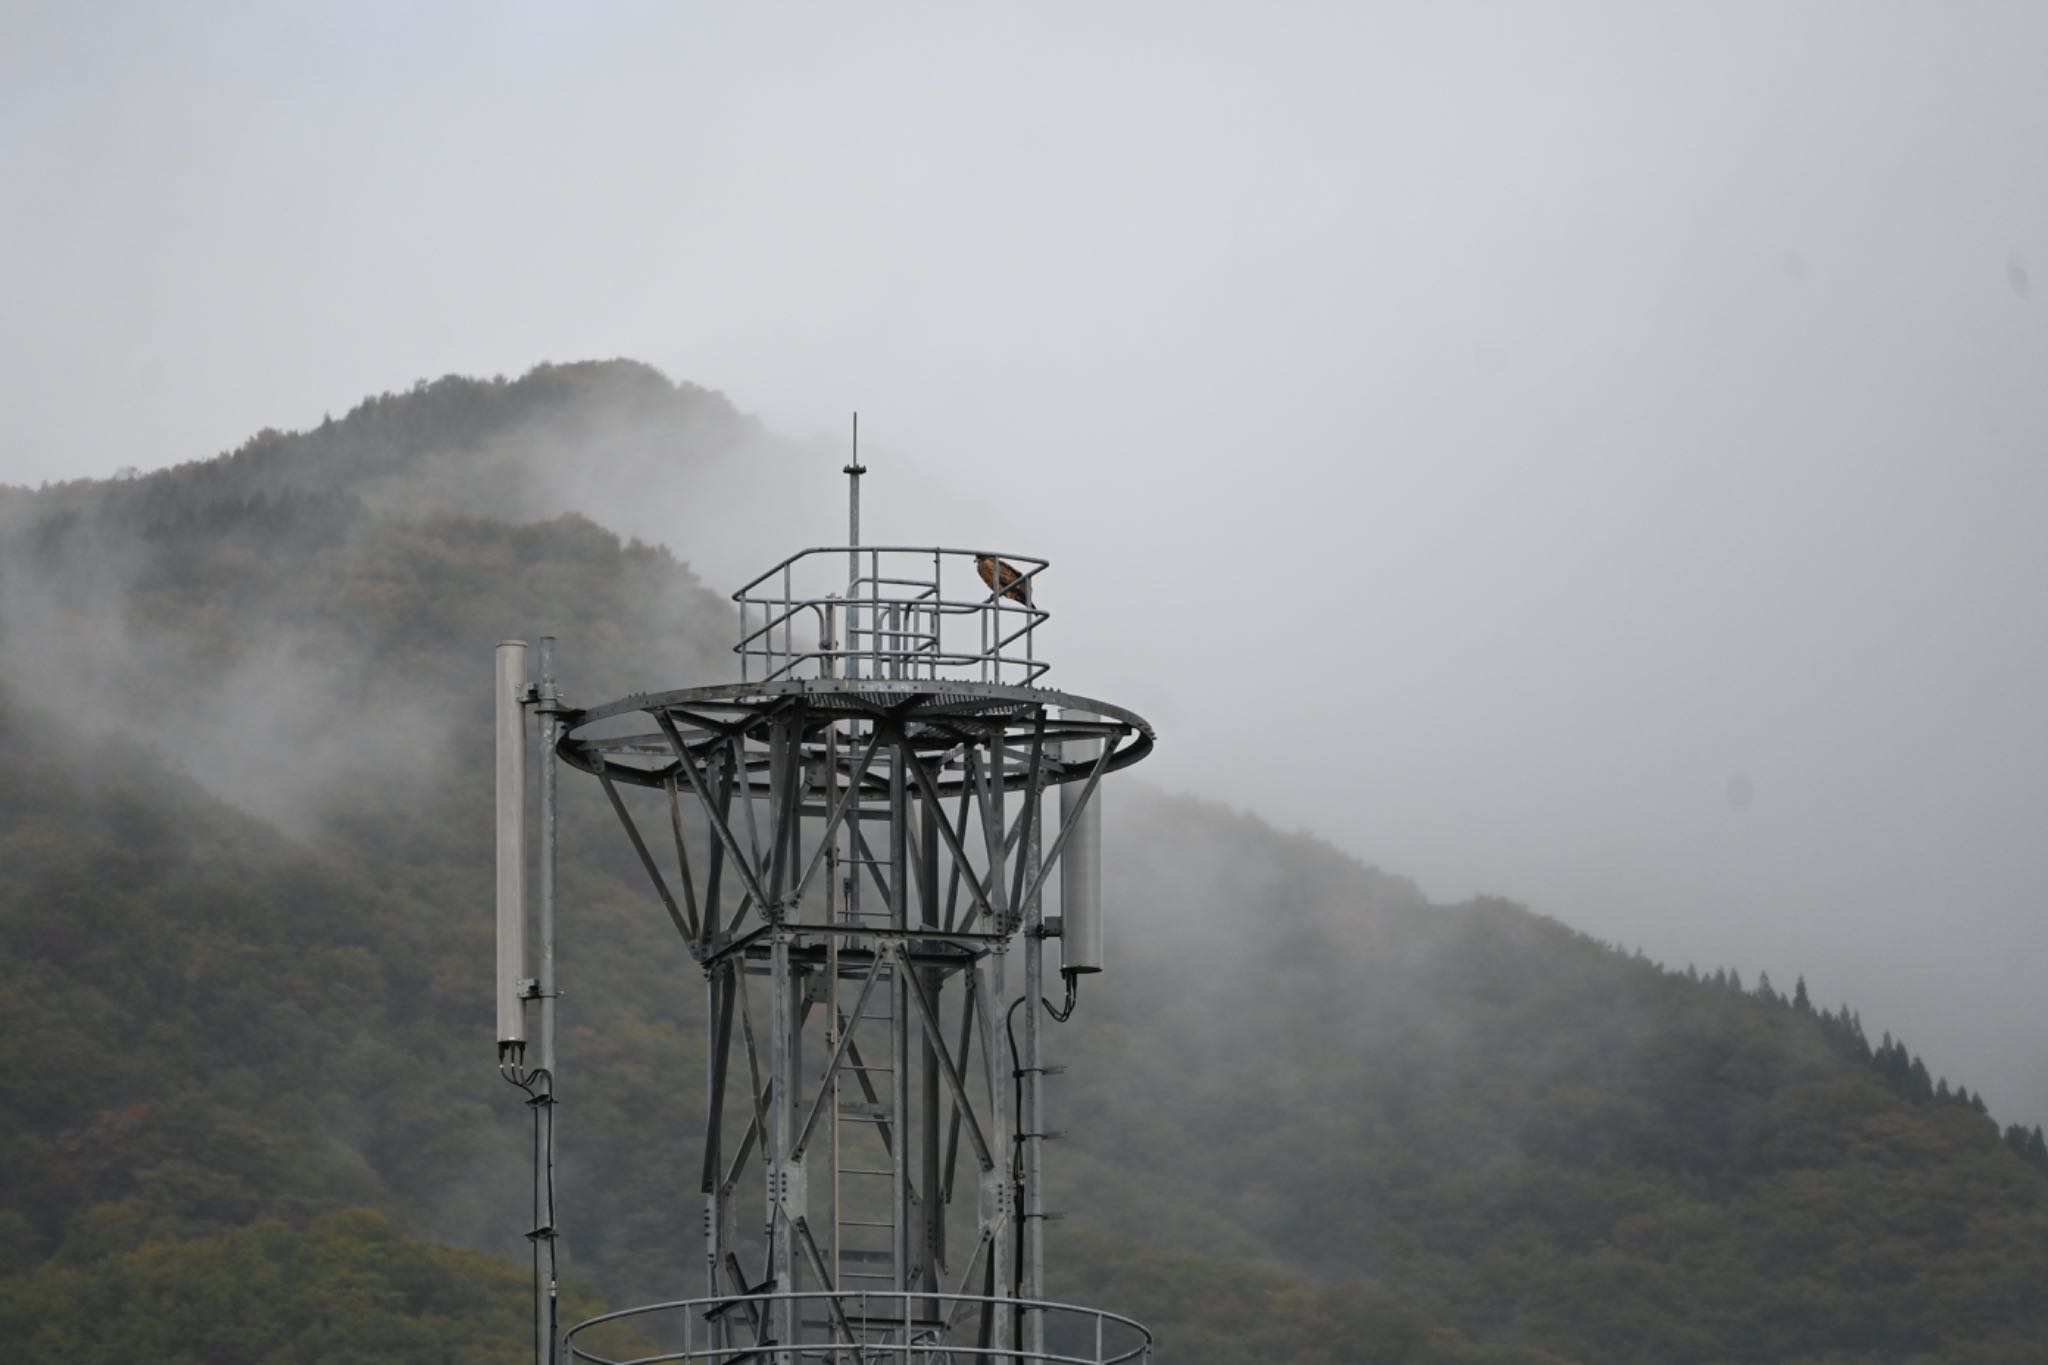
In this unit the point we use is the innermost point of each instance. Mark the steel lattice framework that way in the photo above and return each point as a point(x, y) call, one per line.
point(857, 843)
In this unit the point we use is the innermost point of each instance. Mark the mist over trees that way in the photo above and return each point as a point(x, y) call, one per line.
point(245, 827)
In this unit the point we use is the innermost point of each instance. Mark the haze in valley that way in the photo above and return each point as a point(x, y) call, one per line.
point(1588, 453)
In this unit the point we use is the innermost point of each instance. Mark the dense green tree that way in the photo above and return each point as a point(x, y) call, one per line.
point(344, 1289)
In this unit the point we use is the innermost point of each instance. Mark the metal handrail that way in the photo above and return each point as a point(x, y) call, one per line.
point(894, 615)
point(842, 1340)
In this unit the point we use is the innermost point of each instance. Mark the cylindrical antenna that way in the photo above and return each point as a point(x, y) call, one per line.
point(1081, 867)
point(512, 757)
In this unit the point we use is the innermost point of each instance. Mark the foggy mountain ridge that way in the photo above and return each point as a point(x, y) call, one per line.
point(84, 595)
point(1593, 716)
point(508, 450)
point(146, 596)
point(245, 821)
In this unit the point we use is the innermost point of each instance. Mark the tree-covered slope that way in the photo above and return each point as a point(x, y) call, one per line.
point(244, 827)
point(341, 1289)
point(1542, 1140)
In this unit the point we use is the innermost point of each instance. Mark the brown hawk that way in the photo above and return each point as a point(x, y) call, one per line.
point(1003, 578)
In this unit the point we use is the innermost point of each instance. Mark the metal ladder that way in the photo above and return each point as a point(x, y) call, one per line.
point(863, 1098)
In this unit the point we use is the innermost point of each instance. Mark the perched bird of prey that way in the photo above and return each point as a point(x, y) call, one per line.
point(1004, 578)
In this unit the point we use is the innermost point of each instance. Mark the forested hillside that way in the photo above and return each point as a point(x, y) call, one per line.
point(245, 832)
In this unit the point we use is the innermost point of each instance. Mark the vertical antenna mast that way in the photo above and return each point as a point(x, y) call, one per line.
point(853, 472)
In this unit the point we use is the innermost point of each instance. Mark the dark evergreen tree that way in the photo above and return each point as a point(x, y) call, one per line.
point(1919, 1084)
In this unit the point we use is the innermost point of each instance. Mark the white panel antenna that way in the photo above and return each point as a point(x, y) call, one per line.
point(512, 765)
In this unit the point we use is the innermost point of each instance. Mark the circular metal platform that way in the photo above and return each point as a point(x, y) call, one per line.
point(848, 1326)
point(936, 717)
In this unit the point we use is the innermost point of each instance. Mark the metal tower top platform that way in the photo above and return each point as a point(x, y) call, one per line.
point(909, 634)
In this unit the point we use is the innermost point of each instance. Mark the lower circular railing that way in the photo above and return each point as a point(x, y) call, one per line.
point(851, 1327)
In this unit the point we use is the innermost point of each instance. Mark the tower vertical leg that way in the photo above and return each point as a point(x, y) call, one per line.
point(721, 1209)
point(714, 1088)
point(1003, 1101)
point(931, 1246)
point(1031, 1106)
point(899, 1036)
point(783, 1203)
point(991, 999)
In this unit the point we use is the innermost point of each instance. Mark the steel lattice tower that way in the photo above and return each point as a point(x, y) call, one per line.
point(857, 841)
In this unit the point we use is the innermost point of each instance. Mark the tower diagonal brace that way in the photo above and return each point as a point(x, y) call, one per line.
point(668, 901)
point(720, 824)
point(949, 1071)
point(930, 790)
point(867, 987)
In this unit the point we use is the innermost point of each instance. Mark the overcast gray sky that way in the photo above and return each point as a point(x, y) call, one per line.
point(1610, 440)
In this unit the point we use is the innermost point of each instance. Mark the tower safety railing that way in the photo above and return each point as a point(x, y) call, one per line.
point(849, 1326)
point(909, 612)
